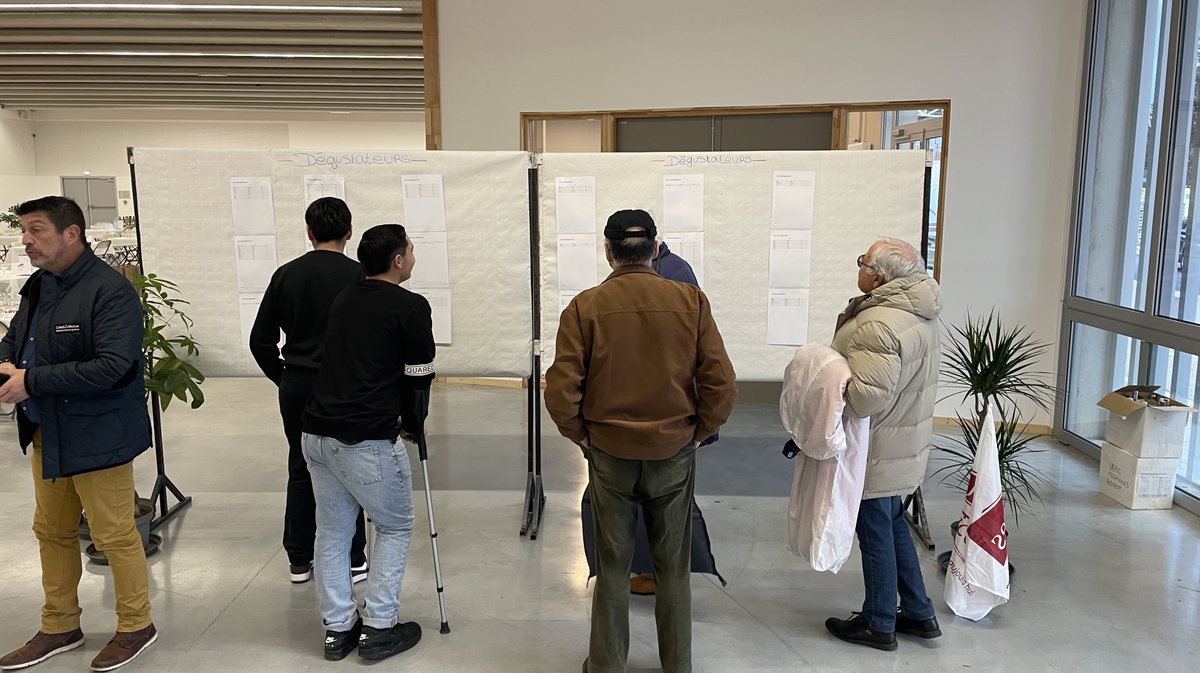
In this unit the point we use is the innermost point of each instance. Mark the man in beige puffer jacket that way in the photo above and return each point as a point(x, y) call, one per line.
point(890, 338)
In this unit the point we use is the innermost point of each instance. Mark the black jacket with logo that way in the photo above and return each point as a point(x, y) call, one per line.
point(87, 377)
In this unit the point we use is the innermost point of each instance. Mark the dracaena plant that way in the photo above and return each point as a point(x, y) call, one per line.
point(984, 360)
point(9, 218)
point(167, 342)
point(1020, 481)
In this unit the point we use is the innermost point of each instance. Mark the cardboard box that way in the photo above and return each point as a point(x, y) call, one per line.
point(1137, 483)
point(1144, 423)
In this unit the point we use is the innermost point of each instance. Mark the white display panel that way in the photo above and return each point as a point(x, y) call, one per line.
point(858, 197)
point(186, 218)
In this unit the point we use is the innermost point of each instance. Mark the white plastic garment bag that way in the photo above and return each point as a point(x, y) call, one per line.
point(977, 577)
point(830, 470)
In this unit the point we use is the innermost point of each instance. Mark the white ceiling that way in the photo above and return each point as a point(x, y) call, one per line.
point(334, 55)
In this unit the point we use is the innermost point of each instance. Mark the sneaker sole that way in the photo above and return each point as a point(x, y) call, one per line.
point(359, 577)
point(301, 579)
point(338, 656)
point(64, 648)
point(384, 653)
point(150, 642)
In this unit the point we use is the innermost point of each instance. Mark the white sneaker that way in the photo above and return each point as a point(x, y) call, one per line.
point(300, 574)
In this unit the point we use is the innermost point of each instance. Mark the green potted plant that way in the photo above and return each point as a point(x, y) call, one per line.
point(987, 361)
point(168, 332)
point(10, 219)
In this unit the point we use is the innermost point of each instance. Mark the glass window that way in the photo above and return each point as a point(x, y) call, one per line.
point(1175, 371)
point(1137, 193)
point(1180, 284)
point(1119, 187)
point(905, 130)
point(563, 135)
point(1101, 361)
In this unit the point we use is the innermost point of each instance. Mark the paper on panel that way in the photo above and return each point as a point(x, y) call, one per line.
point(320, 186)
point(791, 258)
point(576, 261)
point(792, 200)
point(432, 268)
point(439, 305)
point(248, 303)
point(256, 262)
point(787, 317)
point(564, 299)
point(575, 204)
point(683, 203)
point(424, 204)
point(253, 206)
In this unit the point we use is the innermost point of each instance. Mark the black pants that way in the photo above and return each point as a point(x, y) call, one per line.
point(300, 517)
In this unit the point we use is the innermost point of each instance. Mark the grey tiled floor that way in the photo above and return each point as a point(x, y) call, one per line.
point(1098, 588)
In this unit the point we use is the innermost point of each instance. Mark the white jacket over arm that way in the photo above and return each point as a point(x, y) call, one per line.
point(828, 482)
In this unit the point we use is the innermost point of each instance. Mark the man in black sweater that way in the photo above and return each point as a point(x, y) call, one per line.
point(297, 302)
point(372, 389)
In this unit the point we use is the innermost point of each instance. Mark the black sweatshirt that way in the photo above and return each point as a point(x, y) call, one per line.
point(377, 367)
point(297, 301)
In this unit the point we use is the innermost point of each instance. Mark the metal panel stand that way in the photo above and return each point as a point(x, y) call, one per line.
point(916, 518)
point(535, 496)
point(162, 483)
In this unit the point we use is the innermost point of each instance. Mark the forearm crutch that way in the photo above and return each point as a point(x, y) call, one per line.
point(423, 452)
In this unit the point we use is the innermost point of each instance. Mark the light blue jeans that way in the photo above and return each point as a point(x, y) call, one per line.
point(377, 476)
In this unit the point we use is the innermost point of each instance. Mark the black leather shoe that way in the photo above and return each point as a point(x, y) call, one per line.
point(855, 630)
point(339, 644)
point(921, 628)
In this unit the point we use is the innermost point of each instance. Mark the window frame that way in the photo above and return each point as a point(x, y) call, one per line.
point(1145, 324)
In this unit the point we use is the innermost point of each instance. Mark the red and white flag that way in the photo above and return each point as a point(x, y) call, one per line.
point(977, 578)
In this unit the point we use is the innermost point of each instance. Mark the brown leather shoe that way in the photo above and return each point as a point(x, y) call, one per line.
point(642, 585)
point(40, 648)
point(123, 648)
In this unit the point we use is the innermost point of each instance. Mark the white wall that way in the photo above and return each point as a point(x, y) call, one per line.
point(1012, 71)
point(358, 136)
point(16, 145)
point(70, 142)
point(17, 188)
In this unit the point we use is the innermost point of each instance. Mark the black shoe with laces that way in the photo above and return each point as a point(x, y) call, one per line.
point(375, 644)
point(921, 628)
point(339, 644)
point(855, 630)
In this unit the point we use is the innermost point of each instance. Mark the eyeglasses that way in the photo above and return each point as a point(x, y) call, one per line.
point(864, 264)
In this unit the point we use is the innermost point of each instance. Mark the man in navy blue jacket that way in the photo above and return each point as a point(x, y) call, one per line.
point(672, 267)
point(73, 364)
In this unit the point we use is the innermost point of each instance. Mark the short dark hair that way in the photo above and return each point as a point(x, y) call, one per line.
point(632, 250)
point(379, 245)
point(328, 218)
point(63, 212)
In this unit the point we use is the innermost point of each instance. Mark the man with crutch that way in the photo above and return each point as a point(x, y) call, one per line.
point(377, 368)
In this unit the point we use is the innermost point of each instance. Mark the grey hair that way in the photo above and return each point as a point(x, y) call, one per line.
point(631, 251)
point(895, 258)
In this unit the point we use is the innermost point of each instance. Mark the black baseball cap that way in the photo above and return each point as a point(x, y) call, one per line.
point(620, 223)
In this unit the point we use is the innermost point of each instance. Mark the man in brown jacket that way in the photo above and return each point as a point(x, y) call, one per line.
point(640, 378)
